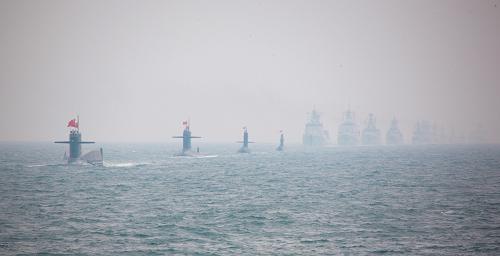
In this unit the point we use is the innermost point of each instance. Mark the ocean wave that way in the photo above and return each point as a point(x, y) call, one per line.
point(126, 164)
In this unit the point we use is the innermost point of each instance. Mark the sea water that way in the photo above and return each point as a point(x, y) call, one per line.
point(410, 200)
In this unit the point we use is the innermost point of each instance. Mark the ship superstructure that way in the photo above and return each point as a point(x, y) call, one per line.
point(314, 134)
point(348, 134)
point(75, 146)
point(371, 134)
point(394, 135)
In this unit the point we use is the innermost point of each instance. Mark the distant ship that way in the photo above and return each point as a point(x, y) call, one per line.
point(348, 130)
point(371, 135)
point(75, 142)
point(314, 134)
point(394, 135)
point(281, 146)
point(423, 133)
point(186, 141)
point(244, 148)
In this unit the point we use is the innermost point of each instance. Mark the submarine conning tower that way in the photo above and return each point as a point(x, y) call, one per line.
point(75, 141)
point(244, 148)
point(186, 138)
point(75, 146)
point(245, 138)
point(282, 142)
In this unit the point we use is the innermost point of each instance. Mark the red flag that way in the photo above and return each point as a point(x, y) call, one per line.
point(73, 123)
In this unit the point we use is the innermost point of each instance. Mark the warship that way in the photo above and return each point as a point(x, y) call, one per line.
point(244, 148)
point(348, 134)
point(75, 142)
point(394, 135)
point(186, 141)
point(371, 135)
point(423, 133)
point(314, 134)
point(281, 146)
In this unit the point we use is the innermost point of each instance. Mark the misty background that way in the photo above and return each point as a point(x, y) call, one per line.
point(134, 70)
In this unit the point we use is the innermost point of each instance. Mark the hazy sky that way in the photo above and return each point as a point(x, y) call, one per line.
point(134, 70)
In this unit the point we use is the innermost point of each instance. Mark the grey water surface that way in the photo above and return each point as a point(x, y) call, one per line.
point(410, 200)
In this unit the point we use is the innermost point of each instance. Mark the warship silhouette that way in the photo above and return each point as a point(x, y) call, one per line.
point(244, 148)
point(394, 135)
point(75, 142)
point(371, 134)
point(186, 141)
point(314, 134)
point(348, 134)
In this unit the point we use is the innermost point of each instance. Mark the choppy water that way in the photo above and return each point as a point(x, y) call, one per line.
point(367, 200)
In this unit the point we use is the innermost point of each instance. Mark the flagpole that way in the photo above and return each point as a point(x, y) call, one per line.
point(78, 122)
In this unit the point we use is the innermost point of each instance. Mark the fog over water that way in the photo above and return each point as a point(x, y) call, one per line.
point(134, 70)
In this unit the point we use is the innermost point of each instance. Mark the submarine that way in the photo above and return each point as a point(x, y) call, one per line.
point(75, 142)
point(281, 146)
point(186, 141)
point(244, 148)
